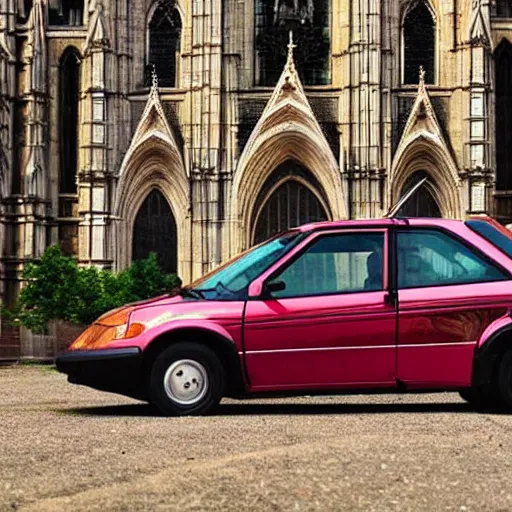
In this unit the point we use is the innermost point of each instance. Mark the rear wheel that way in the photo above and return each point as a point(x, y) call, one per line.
point(505, 379)
point(186, 379)
point(482, 399)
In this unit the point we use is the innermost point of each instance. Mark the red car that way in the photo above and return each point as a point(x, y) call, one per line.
point(390, 305)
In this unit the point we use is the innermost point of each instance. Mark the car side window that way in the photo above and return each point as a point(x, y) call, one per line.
point(343, 263)
point(433, 258)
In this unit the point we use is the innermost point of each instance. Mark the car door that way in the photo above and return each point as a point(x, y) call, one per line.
point(332, 325)
point(447, 296)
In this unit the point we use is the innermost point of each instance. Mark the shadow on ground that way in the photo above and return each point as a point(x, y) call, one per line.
point(263, 409)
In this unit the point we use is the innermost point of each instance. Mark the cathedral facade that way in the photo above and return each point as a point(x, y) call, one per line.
point(197, 128)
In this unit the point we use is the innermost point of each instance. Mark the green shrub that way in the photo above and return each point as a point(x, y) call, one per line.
point(56, 288)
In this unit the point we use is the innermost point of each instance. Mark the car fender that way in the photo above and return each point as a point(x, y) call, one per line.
point(493, 330)
point(495, 339)
point(177, 325)
point(156, 338)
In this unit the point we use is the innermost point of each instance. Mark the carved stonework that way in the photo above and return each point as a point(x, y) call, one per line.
point(97, 35)
point(480, 24)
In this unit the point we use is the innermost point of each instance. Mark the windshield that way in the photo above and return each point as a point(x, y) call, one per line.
point(236, 275)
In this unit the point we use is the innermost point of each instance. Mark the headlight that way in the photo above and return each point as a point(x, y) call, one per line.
point(109, 327)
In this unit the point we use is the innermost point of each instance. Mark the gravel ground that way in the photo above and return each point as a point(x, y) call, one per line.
point(65, 447)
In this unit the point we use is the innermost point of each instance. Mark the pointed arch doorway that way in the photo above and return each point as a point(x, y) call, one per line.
point(423, 203)
point(154, 230)
point(290, 197)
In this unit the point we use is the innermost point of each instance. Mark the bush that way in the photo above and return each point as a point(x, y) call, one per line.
point(57, 289)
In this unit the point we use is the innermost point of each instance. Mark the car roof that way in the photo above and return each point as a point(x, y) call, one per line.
point(383, 222)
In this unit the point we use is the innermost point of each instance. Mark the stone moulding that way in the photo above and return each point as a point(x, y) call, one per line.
point(423, 147)
point(287, 129)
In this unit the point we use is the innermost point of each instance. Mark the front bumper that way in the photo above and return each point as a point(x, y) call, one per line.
point(115, 370)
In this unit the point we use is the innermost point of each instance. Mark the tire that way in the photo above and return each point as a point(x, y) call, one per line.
point(481, 399)
point(505, 379)
point(187, 379)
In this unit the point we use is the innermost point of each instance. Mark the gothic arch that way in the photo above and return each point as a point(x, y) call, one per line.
point(287, 130)
point(423, 147)
point(423, 154)
point(177, 4)
point(153, 161)
point(288, 184)
point(152, 166)
point(292, 141)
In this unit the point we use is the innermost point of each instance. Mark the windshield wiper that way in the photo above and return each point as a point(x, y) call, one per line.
point(215, 288)
point(191, 292)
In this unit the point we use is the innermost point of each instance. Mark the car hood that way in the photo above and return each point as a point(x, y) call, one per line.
point(162, 300)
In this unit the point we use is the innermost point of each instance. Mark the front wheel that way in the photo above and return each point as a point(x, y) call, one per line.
point(186, 379)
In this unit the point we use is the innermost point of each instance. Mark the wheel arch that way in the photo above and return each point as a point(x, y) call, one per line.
point(223, 347)
point(488, 354)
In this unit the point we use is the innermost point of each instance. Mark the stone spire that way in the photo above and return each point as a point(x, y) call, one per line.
point(291, 46)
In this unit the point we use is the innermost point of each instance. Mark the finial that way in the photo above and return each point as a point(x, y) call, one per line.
point(291, 46)
point(154, 78)
point(422, 75)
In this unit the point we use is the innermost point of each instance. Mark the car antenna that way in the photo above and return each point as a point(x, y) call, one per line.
point(392, 212)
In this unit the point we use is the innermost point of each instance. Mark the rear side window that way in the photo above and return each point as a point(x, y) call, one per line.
point(433, 258)
point(492, 235)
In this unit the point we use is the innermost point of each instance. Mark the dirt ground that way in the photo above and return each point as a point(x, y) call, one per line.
point(70, 448)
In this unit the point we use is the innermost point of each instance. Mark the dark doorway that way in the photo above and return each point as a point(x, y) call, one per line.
point(422, 203)
point(155, 231)
point(291, 204)
point(503, 58)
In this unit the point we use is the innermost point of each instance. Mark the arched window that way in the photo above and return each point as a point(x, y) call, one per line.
point(422, 203)
point(503, 65)
point(155, 231)
point(289, 199)
point(503, 8)
point(419, 43)
point(312, 55)
point(164, 37)
point(69, 85)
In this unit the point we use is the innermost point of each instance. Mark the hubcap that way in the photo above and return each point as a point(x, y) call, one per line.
point(186, 382)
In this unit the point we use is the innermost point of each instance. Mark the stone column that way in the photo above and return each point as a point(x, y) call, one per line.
point(95, 177)
point(7, 101)
point(202, 79)
point(365, 159)
point(28, 209)
point(232, 59)
point(478, 174)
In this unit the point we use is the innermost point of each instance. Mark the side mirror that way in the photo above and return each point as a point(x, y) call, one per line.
point(273, 286)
